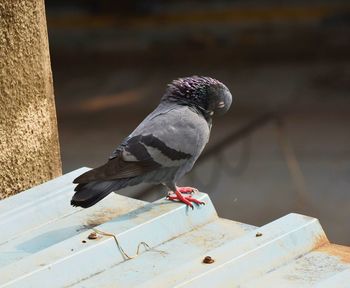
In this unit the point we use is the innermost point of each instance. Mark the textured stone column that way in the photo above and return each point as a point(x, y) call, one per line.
point(29, 148)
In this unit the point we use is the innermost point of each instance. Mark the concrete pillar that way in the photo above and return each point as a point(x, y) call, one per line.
point(29, 148)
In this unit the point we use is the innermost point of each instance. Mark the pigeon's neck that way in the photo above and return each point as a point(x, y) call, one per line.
point(201, 111)
point(193, 106)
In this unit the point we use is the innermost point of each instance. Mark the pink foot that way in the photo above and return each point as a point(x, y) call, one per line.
point(187, 190)
point(185, 199)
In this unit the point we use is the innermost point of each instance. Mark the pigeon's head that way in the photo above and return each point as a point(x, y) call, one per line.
point(206, 95)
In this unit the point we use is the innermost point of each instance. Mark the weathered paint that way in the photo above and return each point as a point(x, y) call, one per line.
point(48, 245)
point(342, 252)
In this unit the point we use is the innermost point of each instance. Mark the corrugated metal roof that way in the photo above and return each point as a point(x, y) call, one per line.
point(44, 243)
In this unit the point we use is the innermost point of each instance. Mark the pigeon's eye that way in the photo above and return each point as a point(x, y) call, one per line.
point(221, 104)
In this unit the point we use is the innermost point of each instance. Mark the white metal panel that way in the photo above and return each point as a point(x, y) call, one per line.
point(44, 243)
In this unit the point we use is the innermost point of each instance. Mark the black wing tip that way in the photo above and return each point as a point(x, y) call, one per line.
point(78, 180)
point(73, 203)
point(87, 196)
point(85, 177)
point(79, 187)
point(82, 204)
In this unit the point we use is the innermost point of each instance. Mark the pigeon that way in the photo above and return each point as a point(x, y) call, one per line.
point(165, 145)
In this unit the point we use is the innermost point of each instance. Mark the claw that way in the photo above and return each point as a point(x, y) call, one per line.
point(185, 199)
point(196, 201)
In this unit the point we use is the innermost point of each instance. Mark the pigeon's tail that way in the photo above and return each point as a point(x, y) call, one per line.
point(88, 194)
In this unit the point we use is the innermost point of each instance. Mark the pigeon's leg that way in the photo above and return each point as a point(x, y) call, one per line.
point(187, 199)
point(187, 190)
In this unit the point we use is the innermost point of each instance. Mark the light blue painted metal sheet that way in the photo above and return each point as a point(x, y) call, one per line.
point(45, 243)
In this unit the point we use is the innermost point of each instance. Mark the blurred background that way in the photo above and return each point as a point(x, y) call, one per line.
point(285, 144)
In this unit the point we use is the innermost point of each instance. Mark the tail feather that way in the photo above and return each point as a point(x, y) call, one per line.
point(89, 194)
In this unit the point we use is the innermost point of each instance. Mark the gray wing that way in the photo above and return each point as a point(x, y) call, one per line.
point(168, 137)
point(129, 160)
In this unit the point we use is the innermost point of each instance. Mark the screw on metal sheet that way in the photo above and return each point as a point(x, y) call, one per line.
point(92, 236)
point(258, 234)
point(208, 260)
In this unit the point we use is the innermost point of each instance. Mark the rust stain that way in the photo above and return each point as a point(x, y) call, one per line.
point(320, 241)
point(93, 236)
point(342, 252)
point(208, 260)
point(105, 215)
